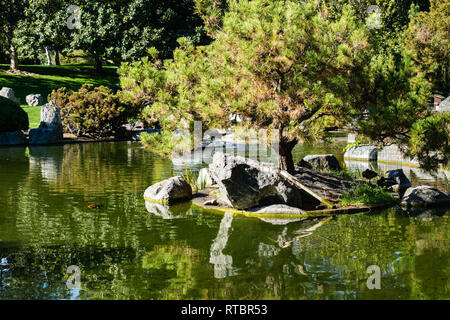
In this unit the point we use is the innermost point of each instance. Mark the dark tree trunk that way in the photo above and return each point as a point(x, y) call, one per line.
point(97, 64)
point(57, 61)
point(285, 159)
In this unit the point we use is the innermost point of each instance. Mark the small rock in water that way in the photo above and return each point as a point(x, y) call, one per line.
point(425, 196)
point(399, 176)
point(322, 162)
point(172, 190)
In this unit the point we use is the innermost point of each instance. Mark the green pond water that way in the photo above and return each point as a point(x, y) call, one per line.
point(127, 250)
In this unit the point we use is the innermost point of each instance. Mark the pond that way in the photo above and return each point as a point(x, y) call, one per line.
point(123, 251)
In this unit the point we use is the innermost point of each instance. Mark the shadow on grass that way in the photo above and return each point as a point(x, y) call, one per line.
point(49, 78)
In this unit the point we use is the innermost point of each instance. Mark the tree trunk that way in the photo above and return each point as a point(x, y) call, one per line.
point(97, 64)
point(14, 59)
point(48, 56)
point(285, 159)
point(57, 61)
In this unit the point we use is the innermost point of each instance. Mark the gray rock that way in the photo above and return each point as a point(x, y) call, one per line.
point(12, 138)
point(327, 162)
point(34, 100)
point(362, 153)
point(50, 129)
point(445, 105)
point(172, 190)
point(51, 116)
point(246, 183)
point(393, 154)
point(277, 209)
point(402, 182)
point(9, 94)
point(204, 178)
point(425, 196)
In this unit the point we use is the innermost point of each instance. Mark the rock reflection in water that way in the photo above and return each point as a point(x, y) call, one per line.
point(223, 264)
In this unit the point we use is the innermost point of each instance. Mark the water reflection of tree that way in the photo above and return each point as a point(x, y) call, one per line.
point(127, 253)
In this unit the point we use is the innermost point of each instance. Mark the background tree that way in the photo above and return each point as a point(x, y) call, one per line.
point(123, 30)
point(428, 39)
point(44, 28)
point(283, 64)
point(12, 11)
point(287, 66)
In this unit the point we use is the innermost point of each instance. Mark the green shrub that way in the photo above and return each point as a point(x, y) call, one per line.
point(365, 194)
point(94, 111)
point(12, 116)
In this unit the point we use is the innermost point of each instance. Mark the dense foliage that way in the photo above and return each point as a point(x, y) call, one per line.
point(428, 39)
point(12, 117)
point(113, 31)
point(93, 111)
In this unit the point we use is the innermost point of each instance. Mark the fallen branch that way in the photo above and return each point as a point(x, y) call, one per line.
point(292, 180)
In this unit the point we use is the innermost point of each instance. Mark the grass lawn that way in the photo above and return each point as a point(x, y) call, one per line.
point(49, 78)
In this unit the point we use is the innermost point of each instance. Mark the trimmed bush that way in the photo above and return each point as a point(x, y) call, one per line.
point(94, 112)
point(12, 116)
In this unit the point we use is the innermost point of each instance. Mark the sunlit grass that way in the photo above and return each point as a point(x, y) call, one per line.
point(366, 194)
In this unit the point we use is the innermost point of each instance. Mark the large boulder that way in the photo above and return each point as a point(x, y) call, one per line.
point(8, 93)
point(326, 162)
point(246, 183)
point(12, 116)
point(368, 153)
point(12, 138)
point(425, 196)
point(34, 100)
point(169, 191)
point(50, 129)
point(402, 182)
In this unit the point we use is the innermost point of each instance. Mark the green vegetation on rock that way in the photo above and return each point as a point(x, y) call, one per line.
point(366, 194)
